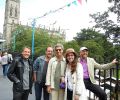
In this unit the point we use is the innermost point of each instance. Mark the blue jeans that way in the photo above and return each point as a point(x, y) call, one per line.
point(5, 69)
point(38, 91)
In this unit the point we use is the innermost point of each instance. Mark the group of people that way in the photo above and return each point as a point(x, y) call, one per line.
point(56, 76)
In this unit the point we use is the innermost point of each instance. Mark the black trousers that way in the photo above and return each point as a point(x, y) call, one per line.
point(69, 94)
point(95, 89)
point(20, 95)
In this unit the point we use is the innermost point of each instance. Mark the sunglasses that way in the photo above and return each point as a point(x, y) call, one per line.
point(58, 49)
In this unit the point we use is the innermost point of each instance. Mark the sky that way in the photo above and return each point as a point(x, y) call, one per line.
point(70, 19)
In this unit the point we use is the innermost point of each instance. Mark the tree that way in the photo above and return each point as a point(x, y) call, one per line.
point(42, 40)
point(90, 34)
point(72, 44)
point(110, 25)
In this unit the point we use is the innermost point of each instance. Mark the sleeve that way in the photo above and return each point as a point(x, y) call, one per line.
point(79, 80)
point(102, 66)
point(48, 75)
point(11, 72)
point(36, 65)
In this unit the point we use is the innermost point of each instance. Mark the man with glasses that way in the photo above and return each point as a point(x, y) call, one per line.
point(88, 72)
point(55, 73)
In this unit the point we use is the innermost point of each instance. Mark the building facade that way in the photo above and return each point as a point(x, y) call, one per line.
point(12, 16)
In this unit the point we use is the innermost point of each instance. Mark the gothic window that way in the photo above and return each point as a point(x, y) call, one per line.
point(11, 10)
point(16, 13)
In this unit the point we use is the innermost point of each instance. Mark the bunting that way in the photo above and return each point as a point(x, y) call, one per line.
point(74, 2)
point(80, 1)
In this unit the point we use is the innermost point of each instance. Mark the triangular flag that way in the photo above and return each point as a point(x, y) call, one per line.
point(69, 4)
point(74, 2)
point(80, 1)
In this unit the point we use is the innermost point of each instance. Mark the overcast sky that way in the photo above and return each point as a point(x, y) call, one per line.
point(72, 18)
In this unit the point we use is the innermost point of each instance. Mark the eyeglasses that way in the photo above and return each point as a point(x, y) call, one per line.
point(58, 49)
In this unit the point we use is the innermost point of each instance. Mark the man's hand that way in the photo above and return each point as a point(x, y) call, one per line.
point(49, 89)
point(114, 61)
point(77, 97)
point(34, 76)
point(19, 87)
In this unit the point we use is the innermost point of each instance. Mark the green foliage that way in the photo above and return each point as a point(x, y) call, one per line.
point(72, 44)
point(41, 40)
point(103, 21)
point(90, 34)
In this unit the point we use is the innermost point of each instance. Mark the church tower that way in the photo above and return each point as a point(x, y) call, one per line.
point(12, 15)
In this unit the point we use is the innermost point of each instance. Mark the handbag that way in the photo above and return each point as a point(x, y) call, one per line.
point(62, 85)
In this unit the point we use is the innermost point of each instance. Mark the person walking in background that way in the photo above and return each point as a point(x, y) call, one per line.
point(10, 58)
point(75, 88)
point(0, 58)
point(21, 74)
point(56, 73)
point(40, 69)
point(4, 62)
point(88, 68)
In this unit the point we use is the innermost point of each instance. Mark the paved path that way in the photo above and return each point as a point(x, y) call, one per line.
point(6, 89)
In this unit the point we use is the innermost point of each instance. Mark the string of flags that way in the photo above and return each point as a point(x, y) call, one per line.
point(74, 2)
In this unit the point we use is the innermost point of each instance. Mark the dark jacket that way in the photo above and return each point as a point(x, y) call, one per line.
point(16, 70)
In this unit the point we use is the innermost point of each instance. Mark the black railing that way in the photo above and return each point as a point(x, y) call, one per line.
point(109, 80)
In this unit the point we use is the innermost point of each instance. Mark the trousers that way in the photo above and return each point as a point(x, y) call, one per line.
point(39, 87)
point(20, 95)
point(95, 89)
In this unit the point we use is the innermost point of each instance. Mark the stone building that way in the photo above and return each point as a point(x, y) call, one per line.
point(11, 18)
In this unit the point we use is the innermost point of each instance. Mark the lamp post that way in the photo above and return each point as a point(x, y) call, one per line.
point(14, 42)
point(33, 32)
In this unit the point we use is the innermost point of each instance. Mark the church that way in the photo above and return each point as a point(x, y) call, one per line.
point(11, 19)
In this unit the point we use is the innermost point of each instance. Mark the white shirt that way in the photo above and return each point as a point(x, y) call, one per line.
point(70, 79)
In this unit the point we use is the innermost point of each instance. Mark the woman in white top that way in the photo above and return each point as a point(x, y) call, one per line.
point(75, 89)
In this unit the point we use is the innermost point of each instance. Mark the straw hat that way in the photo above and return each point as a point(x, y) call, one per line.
point(70, 50)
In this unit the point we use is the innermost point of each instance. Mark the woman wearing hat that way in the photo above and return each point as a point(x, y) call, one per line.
point(75, 88)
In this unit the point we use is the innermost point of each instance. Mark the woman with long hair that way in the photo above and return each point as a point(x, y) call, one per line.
point(75, 88)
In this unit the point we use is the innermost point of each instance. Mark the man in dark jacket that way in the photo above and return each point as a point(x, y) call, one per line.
point(21, 73)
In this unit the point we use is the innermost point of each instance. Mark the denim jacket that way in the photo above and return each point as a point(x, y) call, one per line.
point(38, 68)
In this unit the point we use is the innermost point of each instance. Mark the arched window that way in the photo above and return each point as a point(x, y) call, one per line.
point(16, 12)
point(11, 10)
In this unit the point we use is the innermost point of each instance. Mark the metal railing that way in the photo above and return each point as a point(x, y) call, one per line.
point(109, 80)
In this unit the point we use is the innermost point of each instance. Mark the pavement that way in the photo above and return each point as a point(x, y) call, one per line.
point(6, 88)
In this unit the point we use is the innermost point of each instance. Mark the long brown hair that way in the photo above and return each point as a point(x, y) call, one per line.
point(74, 63)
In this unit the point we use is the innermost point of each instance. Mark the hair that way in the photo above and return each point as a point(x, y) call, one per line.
point(74, 63)
point(58, 45)
point(48, 47)
point(25, 47)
